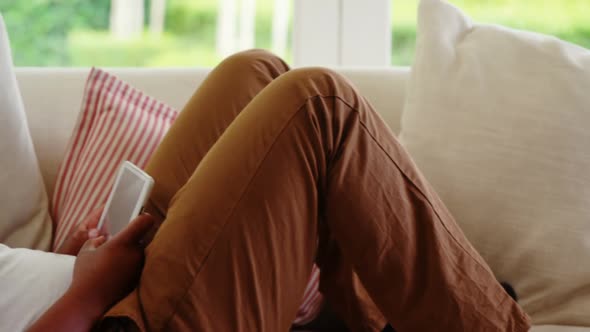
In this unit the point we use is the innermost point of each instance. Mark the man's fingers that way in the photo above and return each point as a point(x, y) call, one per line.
point(93, 233)
point(134, 232)
point(92, 244)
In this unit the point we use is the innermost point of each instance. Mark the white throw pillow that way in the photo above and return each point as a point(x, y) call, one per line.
point(31, 281)
point(24, 217)
point(499, 122)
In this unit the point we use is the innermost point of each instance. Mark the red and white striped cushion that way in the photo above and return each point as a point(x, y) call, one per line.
point(118, 122)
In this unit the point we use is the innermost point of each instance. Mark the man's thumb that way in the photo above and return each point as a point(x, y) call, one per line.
point(92, 244)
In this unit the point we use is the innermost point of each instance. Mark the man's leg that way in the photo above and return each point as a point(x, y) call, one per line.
point(214, 105)
point(240, 236)
point(217, 102)
point(343, 290)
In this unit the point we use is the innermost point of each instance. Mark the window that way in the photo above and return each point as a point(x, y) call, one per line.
point(161, 33)
point(566, 19)
point(154, 33)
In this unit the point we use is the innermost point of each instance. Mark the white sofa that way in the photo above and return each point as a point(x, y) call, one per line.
point(52, 99)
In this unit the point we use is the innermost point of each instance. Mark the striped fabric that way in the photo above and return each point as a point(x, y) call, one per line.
point(118, 122)
point(312, 300)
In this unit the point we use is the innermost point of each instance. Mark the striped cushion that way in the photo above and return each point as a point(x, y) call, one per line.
point(118, 122)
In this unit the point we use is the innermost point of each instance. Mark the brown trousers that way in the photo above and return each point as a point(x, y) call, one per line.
point(266, 171)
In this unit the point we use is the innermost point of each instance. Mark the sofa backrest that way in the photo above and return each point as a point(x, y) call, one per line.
point(52, 98)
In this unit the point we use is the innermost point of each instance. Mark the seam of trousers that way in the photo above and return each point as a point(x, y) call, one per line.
point(256, 172)
point(158, 208)
point(421, 193)
point(408, 179)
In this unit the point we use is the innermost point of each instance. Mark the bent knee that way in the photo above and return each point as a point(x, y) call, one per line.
point(255, 58)
point(316, 80)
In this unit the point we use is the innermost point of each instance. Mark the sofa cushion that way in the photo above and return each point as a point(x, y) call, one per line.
point(559, 328)
point(32, 280)
point(497, 119)
point(24, 216)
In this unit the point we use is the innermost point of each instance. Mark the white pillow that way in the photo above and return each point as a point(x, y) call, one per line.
point(499, 122)
point(24, 217)
point(31, 281)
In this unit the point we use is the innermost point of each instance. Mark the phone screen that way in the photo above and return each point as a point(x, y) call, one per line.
point(123, 205)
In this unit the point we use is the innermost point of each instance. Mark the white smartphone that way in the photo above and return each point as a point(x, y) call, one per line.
point(130, 192)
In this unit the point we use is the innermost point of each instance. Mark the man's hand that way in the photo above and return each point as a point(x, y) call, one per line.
point(108, 270)
point(104, 272)
point(87, 229)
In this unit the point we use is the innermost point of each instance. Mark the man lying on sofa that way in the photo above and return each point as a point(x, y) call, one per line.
point(308, 172)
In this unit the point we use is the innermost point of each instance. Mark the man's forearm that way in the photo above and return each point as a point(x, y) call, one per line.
point(71, 313)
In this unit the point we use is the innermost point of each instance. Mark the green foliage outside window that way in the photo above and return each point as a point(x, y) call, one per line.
point(76, 32)
point(39, 29)
point(565, 19)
